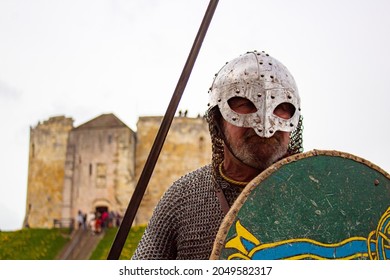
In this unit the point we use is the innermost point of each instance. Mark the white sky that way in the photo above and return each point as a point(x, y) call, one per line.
point(83, 58)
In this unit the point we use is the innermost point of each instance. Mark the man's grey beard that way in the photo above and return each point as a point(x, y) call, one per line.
point(255, 151)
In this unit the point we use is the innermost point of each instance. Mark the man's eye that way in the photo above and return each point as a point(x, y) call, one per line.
point(241, 105)
point(285, 110)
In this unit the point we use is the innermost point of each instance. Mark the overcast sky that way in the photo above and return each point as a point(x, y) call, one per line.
point(83, 58)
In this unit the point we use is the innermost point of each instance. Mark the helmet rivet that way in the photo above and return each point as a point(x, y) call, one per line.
point(261, 62)
point(291, 124)
point(273, 97)
point(262, 76)
point(219, 99)
point(271, 131)
point(259, 94)
point(289, 97)
point(234, 119)
point(237, 90)
point(271, 77)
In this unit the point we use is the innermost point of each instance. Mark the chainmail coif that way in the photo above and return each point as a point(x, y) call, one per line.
point(187, 218)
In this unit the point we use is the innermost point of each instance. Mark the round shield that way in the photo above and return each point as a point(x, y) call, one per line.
point(315, 205)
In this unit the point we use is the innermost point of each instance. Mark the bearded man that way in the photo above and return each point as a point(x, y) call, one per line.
point(254, 120)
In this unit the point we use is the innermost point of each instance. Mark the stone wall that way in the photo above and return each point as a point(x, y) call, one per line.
point(100, 169)
point(186, 148)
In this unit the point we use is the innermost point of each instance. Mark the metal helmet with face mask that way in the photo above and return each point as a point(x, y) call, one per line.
point(265, 82)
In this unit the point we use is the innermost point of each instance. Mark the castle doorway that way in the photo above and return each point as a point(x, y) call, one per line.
point(101, 209)
point(102, 216)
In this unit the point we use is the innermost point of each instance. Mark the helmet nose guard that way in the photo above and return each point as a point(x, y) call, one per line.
point(264, 81)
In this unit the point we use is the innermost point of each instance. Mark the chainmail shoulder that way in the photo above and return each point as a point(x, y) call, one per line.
point(186, 220)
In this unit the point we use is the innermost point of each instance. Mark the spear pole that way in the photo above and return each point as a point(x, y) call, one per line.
point(147, 171)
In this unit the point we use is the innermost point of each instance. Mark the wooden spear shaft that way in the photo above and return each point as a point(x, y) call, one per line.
point(143, 181)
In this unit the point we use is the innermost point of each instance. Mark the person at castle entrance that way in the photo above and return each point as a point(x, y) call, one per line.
point(80, 220)
point(255, 120)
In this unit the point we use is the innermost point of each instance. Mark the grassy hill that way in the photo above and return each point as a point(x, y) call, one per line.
point(32, 244)
point(103, 248)
point(45, 244)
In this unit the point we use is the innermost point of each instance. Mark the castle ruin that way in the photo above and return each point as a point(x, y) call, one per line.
point(96, 166)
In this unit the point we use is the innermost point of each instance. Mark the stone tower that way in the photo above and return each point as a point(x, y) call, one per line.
point(47, 153)
point(99, 168)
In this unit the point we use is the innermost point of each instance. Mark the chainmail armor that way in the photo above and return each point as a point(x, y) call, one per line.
point(186, 220)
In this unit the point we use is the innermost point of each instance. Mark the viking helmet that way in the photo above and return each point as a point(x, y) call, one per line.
point(264, 81)
point(267, 84)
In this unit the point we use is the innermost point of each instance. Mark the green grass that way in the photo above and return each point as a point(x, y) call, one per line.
point(32, 244)
point(103, 248)
point(45, 244)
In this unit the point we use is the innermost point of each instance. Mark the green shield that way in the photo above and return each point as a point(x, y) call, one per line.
point(315, 205)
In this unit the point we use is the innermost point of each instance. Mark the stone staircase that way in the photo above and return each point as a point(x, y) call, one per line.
point(81, 245)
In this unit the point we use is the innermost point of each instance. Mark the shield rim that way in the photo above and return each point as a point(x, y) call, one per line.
point(232, 214)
